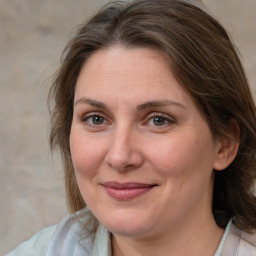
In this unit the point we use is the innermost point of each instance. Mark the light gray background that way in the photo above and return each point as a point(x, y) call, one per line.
point(33, 34)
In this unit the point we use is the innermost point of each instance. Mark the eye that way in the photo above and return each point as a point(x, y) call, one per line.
point(94, 120)
point(97, 120)
point(160, 120)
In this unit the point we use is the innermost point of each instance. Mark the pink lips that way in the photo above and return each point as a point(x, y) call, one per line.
point(126, 191)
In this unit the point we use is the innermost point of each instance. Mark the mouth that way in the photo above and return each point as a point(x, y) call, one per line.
point(128, 190)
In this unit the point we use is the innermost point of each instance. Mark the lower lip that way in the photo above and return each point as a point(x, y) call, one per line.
point(126, 194)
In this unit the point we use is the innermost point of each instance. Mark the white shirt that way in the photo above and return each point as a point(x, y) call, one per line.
point(68, 239)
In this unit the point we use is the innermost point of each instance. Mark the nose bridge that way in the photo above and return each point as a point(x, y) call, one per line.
point(123, 152)
point(122, 137)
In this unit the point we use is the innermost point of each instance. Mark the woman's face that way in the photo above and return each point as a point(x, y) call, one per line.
point(143, 154)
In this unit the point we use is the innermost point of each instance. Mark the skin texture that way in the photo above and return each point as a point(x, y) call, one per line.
point(119, 135)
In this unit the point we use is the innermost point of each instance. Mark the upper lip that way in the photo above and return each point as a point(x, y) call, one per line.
point(127, 185)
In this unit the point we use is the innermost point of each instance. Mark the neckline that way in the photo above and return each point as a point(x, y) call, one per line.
point(103, 241)
point(223, 239)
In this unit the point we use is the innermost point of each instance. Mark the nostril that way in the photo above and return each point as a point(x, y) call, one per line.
point(123, 154)
point(124, 164)
point(119, 165)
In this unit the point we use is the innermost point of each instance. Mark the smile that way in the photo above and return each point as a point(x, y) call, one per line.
point(127, 191)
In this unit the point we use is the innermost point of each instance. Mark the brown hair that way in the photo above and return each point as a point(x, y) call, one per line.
point(203, 60)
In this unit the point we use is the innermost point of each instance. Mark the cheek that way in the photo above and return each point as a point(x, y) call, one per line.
point(182, 156)
point(86, 155)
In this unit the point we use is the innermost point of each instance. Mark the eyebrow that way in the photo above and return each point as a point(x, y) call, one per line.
point(91, 102)
point(149, 104)
point(160, 103)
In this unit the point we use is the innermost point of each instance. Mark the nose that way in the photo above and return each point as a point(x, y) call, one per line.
point(124, 153)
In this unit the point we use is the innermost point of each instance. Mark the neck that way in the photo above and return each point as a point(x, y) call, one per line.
point(198, 238)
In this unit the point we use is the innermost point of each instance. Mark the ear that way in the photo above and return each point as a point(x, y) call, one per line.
point(227, 146)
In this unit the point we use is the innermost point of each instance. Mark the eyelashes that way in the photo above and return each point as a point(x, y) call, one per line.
point(97, 120)
point(160, 119)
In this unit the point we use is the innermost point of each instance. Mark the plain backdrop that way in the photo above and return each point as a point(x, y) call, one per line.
point(33, 34)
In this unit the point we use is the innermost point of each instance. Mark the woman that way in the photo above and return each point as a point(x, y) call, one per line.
point(156, 125)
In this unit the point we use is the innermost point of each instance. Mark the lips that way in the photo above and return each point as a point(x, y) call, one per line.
point(127, 191)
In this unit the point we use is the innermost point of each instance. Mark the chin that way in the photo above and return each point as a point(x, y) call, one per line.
point(128, 230)
point(127, 223)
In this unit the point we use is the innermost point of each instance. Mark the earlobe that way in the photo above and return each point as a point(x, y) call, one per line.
point(227, 147)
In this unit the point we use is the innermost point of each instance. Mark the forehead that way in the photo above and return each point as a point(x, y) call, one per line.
point(132, 71)
point(124, 61)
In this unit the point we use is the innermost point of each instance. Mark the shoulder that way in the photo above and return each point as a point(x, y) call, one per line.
point(240, 242)
point(35, 246)
point(247, 244)
point(71, 236)
point(67, 238)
